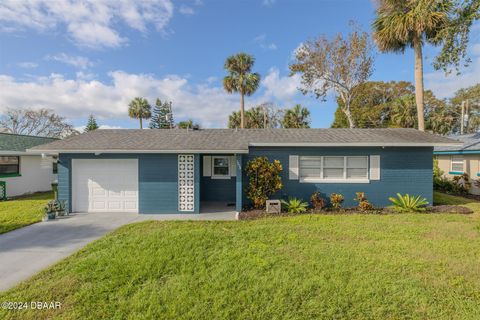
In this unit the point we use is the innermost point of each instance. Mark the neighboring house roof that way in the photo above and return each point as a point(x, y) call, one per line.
point(19, 143)
point(235, 141)
point(470, 144)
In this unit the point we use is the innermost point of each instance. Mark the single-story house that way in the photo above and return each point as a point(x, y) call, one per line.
point(180, 170)
point(464, 158)
point(25, 172)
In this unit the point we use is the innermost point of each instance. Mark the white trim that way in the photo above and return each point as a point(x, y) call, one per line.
point(207, 166)
point(352, 144)
point(19, 153)
point(310, 180)
point(293, 167)
point(226, 176)
point(375, 167)
point(100, 151)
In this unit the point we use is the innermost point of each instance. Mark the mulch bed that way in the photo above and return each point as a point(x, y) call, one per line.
point(252, 214)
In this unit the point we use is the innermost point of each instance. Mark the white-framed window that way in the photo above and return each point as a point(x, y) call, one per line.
point(333, 169)
point(220, 167)
point(457, 164)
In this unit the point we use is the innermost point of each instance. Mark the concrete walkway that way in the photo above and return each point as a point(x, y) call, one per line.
point(26, 251)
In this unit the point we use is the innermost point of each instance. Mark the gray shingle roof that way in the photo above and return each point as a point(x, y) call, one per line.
point(470, 142)
point(19, 142)
point(217, 140)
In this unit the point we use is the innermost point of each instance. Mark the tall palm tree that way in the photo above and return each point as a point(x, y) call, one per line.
point(140, 109)
point(297, 117)
point(241, 79)
point(410, 23)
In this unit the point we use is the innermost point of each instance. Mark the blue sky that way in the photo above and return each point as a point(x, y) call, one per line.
point(94, 57)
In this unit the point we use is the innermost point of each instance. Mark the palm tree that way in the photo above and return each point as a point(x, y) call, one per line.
point(410, 23)
point(298, 117)
point(240, 79)
point(140, 109)
point(403, 112)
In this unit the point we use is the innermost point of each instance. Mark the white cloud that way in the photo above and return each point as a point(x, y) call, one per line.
point(261, 40)
point(90, 23)
point(186, 10)
point(27, 65)
point(76, 61)
point(280, 88)
point(77, 98)
point(102, 126)
point(445, 86)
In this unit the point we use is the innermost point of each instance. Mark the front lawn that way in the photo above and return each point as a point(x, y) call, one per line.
point(22, 211)
point(416, 266)
point(447, 199)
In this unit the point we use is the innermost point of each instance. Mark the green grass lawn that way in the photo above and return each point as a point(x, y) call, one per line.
point(22, 211)
point(414, 266)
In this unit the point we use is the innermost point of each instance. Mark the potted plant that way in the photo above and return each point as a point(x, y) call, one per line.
point(54, 208)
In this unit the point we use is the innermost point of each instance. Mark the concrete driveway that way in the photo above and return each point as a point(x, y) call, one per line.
point(26, 251)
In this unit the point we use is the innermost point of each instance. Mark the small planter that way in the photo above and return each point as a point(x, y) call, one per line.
point(55, 208)
point(49, 216)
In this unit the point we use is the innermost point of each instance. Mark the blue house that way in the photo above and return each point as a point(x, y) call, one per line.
point(181, 171)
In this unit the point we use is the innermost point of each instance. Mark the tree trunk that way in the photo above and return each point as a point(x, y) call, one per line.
point(417, 46)
point(141, 124)
point(347, 112)
point(242, 111)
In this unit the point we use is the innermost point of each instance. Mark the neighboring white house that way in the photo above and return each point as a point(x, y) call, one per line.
point(25, 173)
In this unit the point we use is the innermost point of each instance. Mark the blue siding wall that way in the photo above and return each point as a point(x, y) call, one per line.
point(404, 170)
point(158, 180)
point(222, 190)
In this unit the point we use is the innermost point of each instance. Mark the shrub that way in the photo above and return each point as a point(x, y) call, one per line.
point(408, 202)
point(458, 186)
point(336, 200)
point(437, 172)
point(363, 203)
point(317, 201)
point(294, 205)
point(264, 180)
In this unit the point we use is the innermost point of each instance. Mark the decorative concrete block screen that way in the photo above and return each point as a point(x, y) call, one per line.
point(186, 180)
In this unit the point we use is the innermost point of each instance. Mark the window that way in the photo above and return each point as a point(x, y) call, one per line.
point(9, 165)
point(457, 164)
point(333, 168)
point(221, 167)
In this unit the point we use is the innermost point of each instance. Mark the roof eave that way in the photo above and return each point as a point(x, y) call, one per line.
point(129, 151)
point(356, 144)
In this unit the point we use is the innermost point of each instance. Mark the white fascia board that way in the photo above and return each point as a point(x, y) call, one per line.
point(20, 153)
point(138, 151)
point(353, 144)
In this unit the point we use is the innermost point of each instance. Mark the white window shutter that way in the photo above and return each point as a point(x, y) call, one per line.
point(207, 166)
point(293, 167)
point(233, 166)
point(375, 167)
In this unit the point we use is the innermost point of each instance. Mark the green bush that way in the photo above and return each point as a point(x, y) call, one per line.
point(460, 185)
point(264, 180)
point(317, 201)
point(408, 202)
point(336, 199)
point(363, 203)
point(294, 205)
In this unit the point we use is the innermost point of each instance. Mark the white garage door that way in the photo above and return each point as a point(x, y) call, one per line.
point(105, 185)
